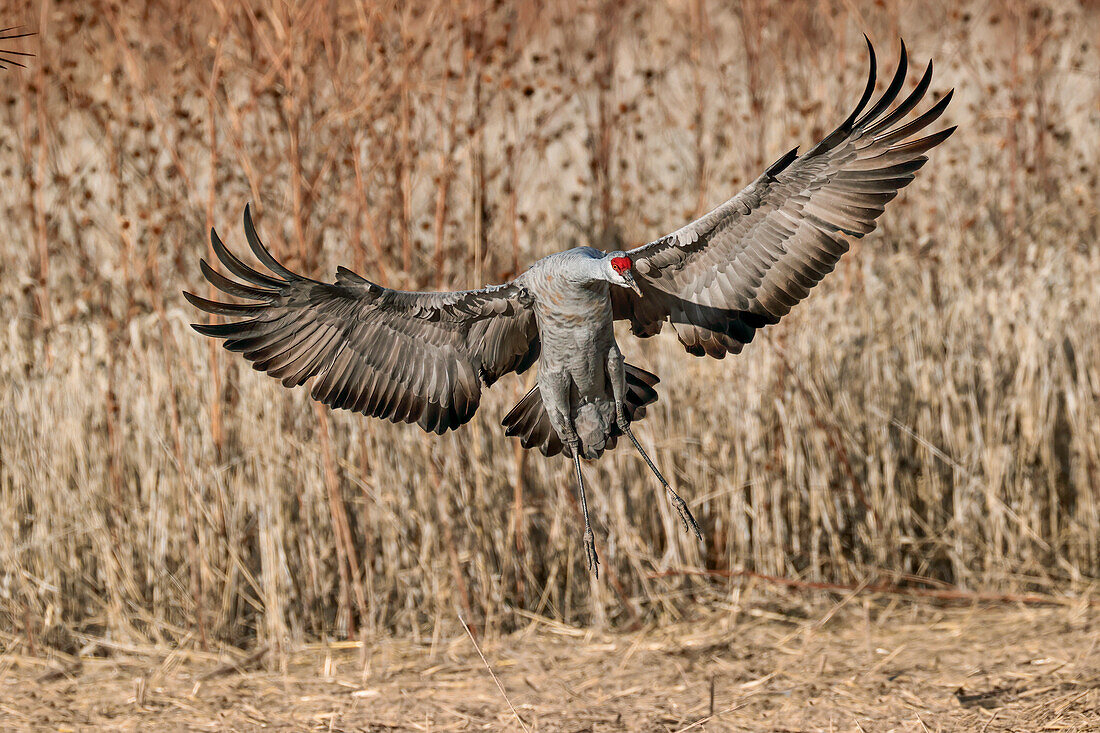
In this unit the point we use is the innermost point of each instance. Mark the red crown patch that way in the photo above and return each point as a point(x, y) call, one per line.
point(621, 264)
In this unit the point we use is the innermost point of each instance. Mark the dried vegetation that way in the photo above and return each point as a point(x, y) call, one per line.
point(929, 417)
point(857, 665)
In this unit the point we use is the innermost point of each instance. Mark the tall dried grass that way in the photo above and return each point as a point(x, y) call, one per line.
point(930, 411)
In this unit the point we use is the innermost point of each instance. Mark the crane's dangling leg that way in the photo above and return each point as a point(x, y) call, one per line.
point(556, 389)
point(680, 504)
point(618, 388)
point(589, 540)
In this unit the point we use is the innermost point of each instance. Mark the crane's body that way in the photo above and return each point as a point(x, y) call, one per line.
point(425, 357)
point(580, 369)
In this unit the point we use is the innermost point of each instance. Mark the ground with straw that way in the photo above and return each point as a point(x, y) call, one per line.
point(857, 664)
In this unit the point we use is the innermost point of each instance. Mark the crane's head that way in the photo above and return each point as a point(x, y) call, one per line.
point(620, 271)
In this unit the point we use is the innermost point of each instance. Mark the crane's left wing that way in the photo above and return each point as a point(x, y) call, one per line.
point(405, 356)
point(746, 263)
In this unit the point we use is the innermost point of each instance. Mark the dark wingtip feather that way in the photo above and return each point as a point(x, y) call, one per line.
point(911, 128)
point(926, 143)
point(232, 287)
point(783, 162)
point(238, 268)
point(261, 252)
point(214, 330)
point(5, 53)
point(343, 273)
point(906, 105)
point(191, 298)
point(224, 309)
point(17, 35)
point(872, 77)
point(846, 127)
point(891, 92)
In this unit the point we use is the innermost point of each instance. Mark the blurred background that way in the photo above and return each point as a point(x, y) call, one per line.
point(929, 418)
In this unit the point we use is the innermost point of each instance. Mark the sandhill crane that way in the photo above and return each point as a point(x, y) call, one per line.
point(425, 357)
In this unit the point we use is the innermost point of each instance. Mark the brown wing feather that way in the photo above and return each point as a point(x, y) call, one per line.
point(403, 356)
point(746, 263)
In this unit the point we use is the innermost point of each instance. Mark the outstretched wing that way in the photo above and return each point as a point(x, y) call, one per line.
point(746, 263)
point(404, 356)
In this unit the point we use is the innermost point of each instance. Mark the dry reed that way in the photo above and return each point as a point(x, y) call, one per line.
point(930, 411)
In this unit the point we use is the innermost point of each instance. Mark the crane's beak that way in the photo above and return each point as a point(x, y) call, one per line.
point(631, 282)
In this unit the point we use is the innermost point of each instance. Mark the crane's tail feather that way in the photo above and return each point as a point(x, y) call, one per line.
point(529, 421)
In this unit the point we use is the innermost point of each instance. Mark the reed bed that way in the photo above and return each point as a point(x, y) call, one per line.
point(929, 417)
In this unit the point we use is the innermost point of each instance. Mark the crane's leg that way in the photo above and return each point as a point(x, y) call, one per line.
point(555, 387)
point(589, 541)
point(680, 504)
point(618, 388)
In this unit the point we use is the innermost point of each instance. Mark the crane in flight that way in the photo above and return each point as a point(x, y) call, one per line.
point(425, 357)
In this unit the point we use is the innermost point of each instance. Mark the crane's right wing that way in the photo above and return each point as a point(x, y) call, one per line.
point(404, 356)
point(746, 263)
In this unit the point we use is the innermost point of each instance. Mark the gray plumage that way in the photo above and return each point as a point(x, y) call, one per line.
point(425, 357)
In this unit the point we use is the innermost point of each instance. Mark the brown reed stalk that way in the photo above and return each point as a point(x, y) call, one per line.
point(946, 386)
point(217, 432)
point(450, 546)
point(41, 166)
point(446, 116)
point(479, 230)
point(196, 561)
point(405, 163)
point(701, 37)
point(1013, 146)
point(602, 160)
point(752, 20)
point(350, 575)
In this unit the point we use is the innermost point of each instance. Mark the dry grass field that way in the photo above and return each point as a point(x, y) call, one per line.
point(926, 424)
point(852, 665)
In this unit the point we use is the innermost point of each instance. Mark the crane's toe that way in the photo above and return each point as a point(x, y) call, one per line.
point(590, 552)
point(690, 525)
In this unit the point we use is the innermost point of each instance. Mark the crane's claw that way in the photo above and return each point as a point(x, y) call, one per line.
point(590, 553)
point(690, 525)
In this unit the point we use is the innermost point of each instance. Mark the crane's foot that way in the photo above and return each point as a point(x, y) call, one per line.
point(690, 525)
point(590, 552)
